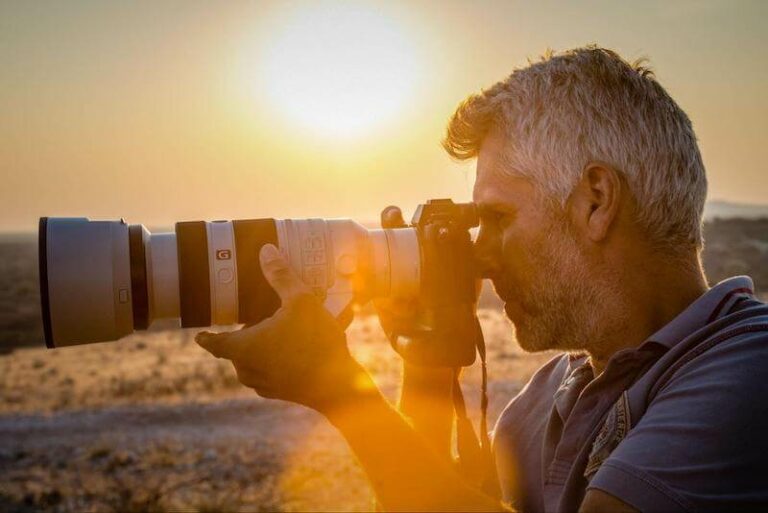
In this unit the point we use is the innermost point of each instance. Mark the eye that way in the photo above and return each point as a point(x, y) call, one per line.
point(488, 219)
point(502, 219)
point(495, 219)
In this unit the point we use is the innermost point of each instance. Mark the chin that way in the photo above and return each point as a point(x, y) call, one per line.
point(531, 340)
point(516, 310)
point(531, 344)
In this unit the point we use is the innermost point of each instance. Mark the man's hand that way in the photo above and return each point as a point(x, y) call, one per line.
point(299, 354)
point(399, 320)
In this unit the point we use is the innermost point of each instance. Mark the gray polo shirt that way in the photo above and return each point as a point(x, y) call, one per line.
point(702, 444)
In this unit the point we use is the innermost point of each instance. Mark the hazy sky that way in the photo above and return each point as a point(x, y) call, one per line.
point(163, 111)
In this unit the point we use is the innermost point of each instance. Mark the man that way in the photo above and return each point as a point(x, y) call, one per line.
point(591, 189)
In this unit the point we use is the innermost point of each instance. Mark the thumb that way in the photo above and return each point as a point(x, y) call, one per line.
point(280, 275)
point(220, 345)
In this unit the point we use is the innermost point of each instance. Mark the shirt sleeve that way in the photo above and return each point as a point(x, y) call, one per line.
point(703, 441)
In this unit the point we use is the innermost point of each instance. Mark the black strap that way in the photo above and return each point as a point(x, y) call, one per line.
point(475, 456)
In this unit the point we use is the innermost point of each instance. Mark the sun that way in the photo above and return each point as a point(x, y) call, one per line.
point(339, 70)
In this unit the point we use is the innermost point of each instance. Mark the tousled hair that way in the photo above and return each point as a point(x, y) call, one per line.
point(585, 105)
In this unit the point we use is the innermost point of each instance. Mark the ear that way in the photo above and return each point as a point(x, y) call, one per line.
point(596, 199)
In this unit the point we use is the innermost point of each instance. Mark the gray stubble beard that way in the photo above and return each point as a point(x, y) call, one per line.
point(571, 304)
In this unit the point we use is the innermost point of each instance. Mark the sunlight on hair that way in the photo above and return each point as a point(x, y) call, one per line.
point(336, 70)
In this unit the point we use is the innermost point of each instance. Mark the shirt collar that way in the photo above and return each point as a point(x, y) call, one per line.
point(710, 306)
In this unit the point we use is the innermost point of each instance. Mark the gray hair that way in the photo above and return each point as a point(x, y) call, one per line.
point(587, 105)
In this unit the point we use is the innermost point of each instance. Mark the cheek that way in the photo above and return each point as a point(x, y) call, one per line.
point(519, 259)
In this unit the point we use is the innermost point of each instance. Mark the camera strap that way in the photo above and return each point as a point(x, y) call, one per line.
point(475, 458)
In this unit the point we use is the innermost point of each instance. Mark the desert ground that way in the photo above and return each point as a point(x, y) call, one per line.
point(154, 423)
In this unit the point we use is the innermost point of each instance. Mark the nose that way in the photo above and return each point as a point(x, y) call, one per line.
point(487, 253)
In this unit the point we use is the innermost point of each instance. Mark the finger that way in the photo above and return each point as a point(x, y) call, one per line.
point(346, 317)
point(409, 350)
point(280, 275)
point(251, 378)
point(227, 344)
point(395, 327)
point(259, 380)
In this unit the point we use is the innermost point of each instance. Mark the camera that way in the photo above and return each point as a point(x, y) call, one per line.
point(102, 280)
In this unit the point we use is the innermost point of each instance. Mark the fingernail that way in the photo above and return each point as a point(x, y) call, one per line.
point(269, 252)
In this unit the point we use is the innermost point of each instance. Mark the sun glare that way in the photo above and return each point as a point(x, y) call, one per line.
point(340, 70)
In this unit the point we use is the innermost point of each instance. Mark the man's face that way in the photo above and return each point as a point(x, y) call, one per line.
point(533, 258)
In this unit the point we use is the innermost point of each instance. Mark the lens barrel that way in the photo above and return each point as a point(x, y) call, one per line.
point(102, 280)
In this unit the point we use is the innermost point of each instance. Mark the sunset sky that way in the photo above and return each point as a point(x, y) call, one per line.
point(165, 111)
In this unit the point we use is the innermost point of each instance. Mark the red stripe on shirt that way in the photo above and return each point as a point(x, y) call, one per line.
point(725, 299)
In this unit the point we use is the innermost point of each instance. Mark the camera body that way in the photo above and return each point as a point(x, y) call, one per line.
point(101, 280)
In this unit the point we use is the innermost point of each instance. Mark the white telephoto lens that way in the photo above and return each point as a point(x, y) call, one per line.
point(101, 280)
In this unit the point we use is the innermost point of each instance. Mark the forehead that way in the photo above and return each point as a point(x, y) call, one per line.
point(495, 183)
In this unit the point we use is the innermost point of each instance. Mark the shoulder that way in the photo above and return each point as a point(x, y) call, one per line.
point(730, 361)
point(701, 442)
point(719, 385)
point(727, 349)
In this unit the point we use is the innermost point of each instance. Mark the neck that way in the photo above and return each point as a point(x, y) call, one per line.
point(653, 292)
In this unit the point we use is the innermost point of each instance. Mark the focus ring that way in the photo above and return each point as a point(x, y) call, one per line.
point(257, 300)
point(194, 284)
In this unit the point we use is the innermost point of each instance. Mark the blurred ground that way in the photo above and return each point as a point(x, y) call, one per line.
point(154, 423)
